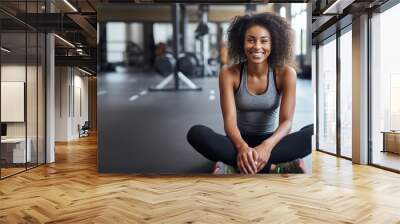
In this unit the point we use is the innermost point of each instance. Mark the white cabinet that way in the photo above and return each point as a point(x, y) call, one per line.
point(17, 145)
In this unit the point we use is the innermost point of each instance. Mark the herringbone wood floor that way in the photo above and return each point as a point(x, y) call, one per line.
point(71, 191)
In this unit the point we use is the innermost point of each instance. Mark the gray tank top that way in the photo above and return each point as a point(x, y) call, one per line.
point(257, 114)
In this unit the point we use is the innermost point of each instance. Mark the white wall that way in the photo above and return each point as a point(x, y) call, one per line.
point(12, 73)
point(70, 84)
point(62, 81)
point(79, 117)
point(134, 33)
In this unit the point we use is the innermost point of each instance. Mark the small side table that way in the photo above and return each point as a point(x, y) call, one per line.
point(391, 141)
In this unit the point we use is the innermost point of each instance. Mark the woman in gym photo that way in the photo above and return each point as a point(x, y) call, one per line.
point(257, 95)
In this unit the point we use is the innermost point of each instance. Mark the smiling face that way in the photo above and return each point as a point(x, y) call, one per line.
point(257, 44)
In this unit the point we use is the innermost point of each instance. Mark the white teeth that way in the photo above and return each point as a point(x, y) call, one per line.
point(257, 54)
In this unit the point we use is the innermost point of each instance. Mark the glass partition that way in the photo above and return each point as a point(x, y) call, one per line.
point(22, 91)
point(15, 150)
point(385, 89)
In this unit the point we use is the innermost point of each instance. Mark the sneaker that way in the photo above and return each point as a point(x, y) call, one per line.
point(222, 168)
point(295, 166)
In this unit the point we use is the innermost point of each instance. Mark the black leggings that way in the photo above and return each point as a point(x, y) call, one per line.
point(217, 147)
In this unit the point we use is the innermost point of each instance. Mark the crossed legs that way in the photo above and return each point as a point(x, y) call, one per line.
point(217, 147)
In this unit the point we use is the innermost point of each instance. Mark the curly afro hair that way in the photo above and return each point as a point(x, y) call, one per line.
point(281, 37)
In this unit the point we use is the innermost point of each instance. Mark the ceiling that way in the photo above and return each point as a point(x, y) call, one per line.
point(76, 20)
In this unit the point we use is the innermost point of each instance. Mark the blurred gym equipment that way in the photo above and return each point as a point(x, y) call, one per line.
point(201, 30)
point(168, 63)
point(134, 55)
point(189, 65)
point(201, 35)
point(165, 64)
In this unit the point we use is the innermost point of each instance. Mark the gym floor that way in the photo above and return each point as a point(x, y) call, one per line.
point(145, 132)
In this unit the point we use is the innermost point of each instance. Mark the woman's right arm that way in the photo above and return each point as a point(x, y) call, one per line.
point(228, 107)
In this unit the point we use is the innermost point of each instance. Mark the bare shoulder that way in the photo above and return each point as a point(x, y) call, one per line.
point(230, 71)
point(230, 74)
point(285, 76)
point(286, 72)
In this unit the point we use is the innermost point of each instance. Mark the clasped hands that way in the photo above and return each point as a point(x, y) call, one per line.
point(252, 160)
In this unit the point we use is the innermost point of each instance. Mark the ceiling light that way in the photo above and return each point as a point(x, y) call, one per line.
point(333, 6)
point(338, 6)
point(79, 51)
point(5, 50)
point(70, 5)
point(84, 71)
point(64, 40)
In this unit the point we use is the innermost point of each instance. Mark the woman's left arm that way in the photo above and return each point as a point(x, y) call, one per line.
point(287, 87)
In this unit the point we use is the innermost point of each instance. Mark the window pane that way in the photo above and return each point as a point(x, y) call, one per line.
point(116, 31)
point(385, 88)
point(346, 93)
point(116, 47)
point(327, 96)
point(299, 25)
point(115, 57)
point(162, 32)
